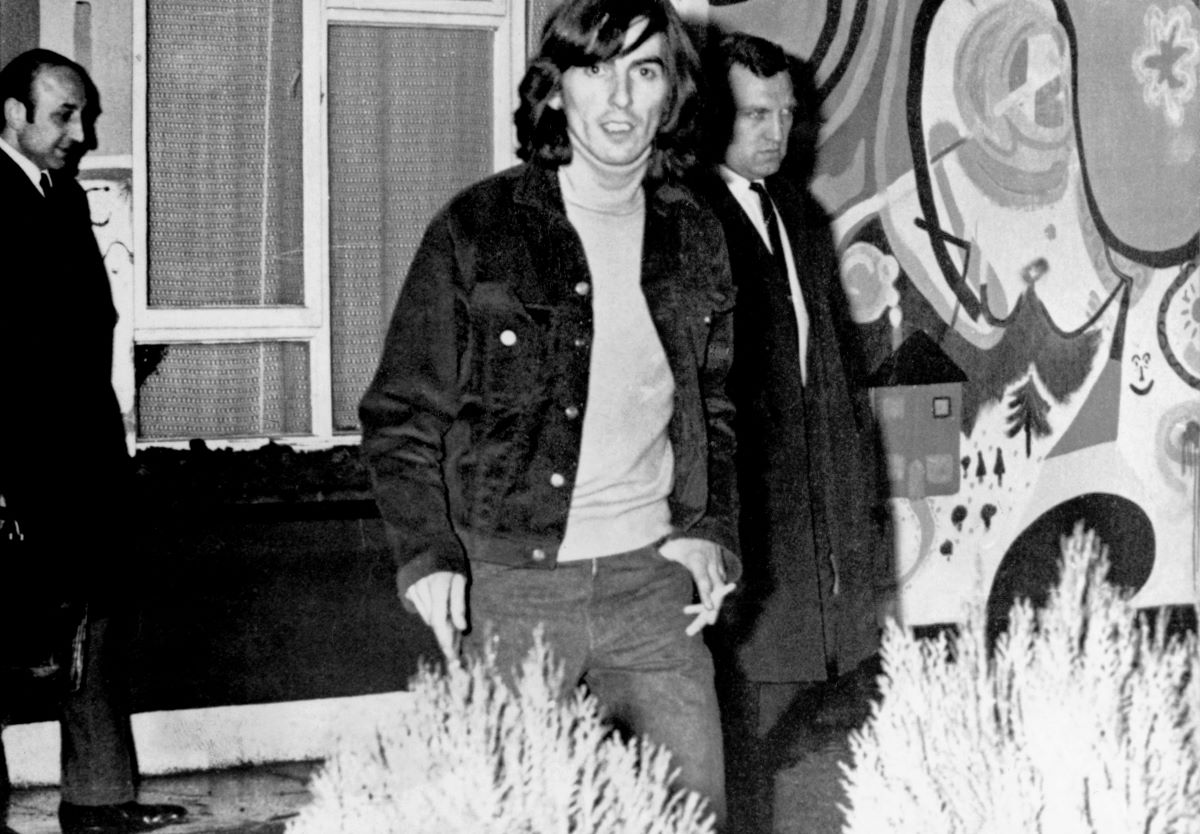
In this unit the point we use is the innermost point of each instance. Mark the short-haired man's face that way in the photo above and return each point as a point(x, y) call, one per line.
point(614, 109)
point(56, 134)
point(763, 112)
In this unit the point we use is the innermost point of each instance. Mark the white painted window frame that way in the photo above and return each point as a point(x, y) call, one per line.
point(310, 323)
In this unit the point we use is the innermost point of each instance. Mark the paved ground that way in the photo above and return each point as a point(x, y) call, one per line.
point(259, 800)
point(252, 800)
point(802, 795)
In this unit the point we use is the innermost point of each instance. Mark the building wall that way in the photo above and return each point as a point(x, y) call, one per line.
point(1020, 179)
point(258, 633)
point(19, 27)
point(100, 36)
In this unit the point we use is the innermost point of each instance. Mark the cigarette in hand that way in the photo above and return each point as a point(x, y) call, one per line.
point(707, 616)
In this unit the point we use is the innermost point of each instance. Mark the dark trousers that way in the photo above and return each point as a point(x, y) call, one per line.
point(616, 625)
point(97, 745)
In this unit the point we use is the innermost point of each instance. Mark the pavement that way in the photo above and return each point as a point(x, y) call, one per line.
point(246, 800)
point(261, 799)
point(803, 798)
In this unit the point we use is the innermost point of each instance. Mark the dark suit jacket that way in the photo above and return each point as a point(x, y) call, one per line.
point(808, 465)
point(64, 466)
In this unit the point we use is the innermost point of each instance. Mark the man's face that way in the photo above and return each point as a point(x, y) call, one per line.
point(614, 109)
point(763, 113)
point(56, 135)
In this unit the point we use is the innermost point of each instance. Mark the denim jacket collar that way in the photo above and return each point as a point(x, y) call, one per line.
point(538, 187)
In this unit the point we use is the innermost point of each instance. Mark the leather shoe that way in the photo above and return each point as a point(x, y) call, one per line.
point(116, 819)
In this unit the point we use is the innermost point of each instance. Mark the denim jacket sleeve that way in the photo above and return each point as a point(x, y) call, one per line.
point(719, 520)
point(410, 405)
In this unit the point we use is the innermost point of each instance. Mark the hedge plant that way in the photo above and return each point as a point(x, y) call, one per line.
point(472, 755)
point(1082, 717)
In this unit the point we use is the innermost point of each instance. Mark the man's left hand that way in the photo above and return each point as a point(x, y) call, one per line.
point(703, 559)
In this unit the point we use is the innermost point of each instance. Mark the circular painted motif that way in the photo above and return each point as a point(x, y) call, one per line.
point(1179, 325)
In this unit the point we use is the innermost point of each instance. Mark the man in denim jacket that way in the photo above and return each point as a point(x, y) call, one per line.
point(549, 416)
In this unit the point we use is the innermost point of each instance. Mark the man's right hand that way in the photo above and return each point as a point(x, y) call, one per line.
point(441, 600)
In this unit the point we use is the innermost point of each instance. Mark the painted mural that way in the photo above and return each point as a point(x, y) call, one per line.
point(1016, 187)
point(109, 190)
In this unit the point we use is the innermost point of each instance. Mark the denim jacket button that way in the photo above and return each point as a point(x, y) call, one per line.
point(508, 338)
point(538, 555)
point(571, 411)
point(583, 288)
point(557, 480)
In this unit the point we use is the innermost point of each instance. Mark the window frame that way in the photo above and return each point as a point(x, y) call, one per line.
point(310, 322)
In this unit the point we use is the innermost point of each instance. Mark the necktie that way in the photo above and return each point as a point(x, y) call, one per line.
point(44, 182)
point(794, 294)
point(768, 210)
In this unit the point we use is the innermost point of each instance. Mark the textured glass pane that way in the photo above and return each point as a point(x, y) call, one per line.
point(225, 163)
point(252, 389)
point(537, 12)
point(410, 113)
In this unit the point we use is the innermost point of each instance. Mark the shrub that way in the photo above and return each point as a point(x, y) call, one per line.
point(471, 755)
point(1083, 718)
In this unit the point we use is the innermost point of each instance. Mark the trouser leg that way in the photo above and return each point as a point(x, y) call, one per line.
point(506, 604)
point(617, 624)
point(97, 746)
point(649, 675)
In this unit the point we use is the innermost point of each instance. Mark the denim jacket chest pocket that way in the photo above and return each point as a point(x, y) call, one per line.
point(709, 319)
point(510, 340)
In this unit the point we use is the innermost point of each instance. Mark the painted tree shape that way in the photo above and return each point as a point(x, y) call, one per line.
point(1027, 412)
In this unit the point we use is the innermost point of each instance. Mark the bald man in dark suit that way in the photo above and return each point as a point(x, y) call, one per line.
point(64, 466)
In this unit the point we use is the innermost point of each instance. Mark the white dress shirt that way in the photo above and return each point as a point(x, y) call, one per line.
point(31, 170)
point(739, 187)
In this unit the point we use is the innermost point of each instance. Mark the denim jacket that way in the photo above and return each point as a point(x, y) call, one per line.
point(472, 424)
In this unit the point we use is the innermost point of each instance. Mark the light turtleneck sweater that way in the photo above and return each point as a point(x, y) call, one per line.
point(626, 465)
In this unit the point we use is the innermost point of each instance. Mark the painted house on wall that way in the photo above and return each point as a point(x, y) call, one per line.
point(917, 398)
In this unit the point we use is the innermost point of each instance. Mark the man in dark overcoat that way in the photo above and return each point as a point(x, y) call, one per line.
point(815, 558)
point(64, 467)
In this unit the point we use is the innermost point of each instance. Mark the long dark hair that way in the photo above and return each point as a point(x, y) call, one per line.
point(581, 33)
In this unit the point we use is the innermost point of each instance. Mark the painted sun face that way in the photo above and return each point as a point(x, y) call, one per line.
point(1179, 325)
point(1142, 380)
